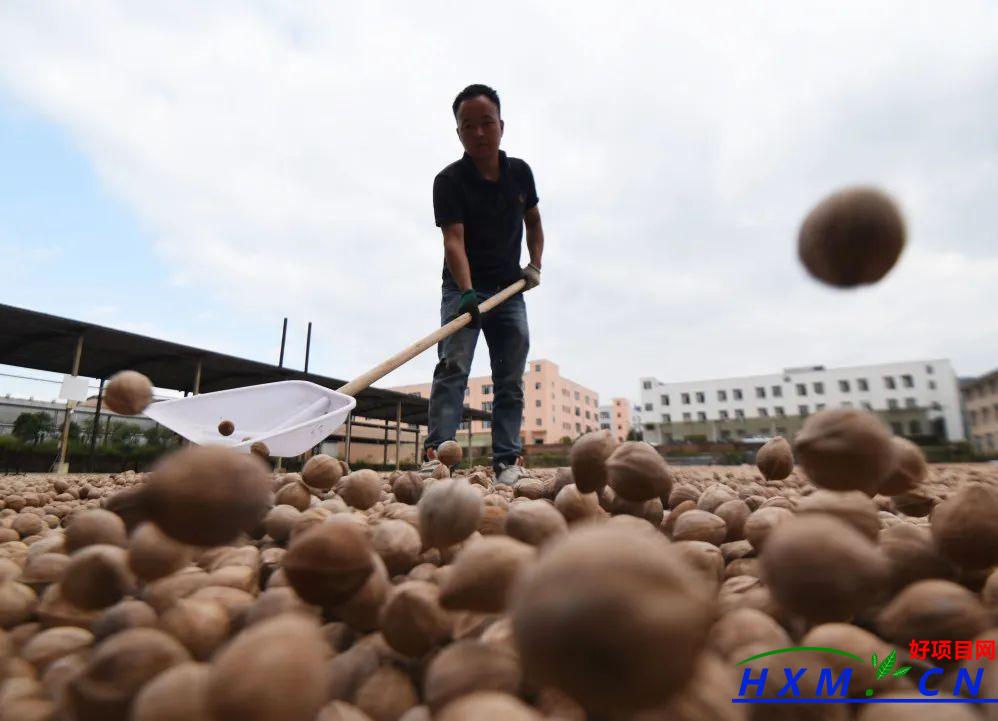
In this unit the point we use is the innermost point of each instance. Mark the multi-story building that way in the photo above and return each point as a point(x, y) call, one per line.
point(914, 398)
point(617, 418)
point(554, 407)
point(980, 398)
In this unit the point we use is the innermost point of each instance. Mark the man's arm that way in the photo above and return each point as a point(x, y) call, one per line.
point(455, 255)
point(535, 236)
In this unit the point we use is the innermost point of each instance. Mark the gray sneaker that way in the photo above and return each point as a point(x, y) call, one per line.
point(426, 470)
point(508, 474)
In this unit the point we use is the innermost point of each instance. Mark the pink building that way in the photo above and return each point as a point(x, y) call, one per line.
point(553, 407)
point(616, 418)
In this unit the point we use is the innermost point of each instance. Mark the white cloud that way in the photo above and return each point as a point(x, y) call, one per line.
point(284, 156)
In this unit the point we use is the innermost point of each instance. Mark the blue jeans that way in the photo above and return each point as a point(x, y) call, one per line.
point(508, 339)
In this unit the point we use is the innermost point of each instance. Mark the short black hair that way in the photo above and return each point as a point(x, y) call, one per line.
point(473, 91)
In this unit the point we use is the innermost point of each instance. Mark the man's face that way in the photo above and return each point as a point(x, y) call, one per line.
point(479, 127)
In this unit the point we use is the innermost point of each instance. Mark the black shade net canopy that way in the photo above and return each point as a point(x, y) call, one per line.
point(30, 339)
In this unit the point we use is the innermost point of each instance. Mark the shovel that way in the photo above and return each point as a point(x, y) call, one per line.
point(290, 417)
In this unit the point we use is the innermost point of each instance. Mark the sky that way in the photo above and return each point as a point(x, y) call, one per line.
point(199, 171)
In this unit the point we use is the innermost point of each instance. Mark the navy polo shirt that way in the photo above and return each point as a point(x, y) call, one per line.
point(492, 214)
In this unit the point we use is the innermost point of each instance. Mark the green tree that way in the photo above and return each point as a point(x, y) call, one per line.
point(32, 427)
point(75, 431)
point(159, 436)
point(125, 435)
point(635, 435)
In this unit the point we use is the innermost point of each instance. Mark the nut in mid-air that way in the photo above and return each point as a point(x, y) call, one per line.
point(853, 237)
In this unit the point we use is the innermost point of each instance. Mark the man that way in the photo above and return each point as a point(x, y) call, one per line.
point(481, 204)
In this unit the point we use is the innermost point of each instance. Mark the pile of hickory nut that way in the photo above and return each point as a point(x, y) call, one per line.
point(619, 588)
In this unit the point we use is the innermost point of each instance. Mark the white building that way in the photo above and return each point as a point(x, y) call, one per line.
point(915, 398)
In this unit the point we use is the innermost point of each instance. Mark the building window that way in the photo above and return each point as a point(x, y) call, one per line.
point(777, 392)
point(973, 418)
point(801, 389)
point(760, 392)
point(889, 383)
point(701, 416)
point(587, 415)
point(537, 386)
point(725, 435)
point(487, 405)
point(665, 402)
point(463, 426)
point(649, 426)
point(538, 420)
point(915, 428)
point(576, 395)
point(907, 381)
point(763, 413)
point(779, 411)
point(687, 417)
point(866, 406)
point(724, 415)
point(928, 369)
point(737, 394)
point(819, 388)
point(910, 403)
point(847, 404)
point(985, 415)
point(646, 385)
point(844, 386)
point(722, 395)
point(739, 413)
point(862, 385)
point(537, 403)
point(932, 385)
point(898, 428)
point(700, 397)
point(892, 404)
point(578, 428)
point(537, 367)
point(578, 411)
point(486, 424)
point(819, 407)
point(686, 399)
point(802, 410)
point(587, 400)
point(647, 406)
point(666, 418)
point(488, 389)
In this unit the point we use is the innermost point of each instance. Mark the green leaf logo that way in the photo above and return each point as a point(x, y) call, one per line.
point(884, 669)
point(901, 671)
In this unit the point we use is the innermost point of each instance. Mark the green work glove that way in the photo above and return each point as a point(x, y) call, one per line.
point(469, 304)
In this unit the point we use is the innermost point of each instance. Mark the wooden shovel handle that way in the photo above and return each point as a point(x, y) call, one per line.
point(404, 356)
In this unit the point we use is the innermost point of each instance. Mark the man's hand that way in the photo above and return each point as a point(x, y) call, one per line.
point(531, 274)
point(469, 304)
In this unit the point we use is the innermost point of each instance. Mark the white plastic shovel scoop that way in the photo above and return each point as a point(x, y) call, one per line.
point(290, 417)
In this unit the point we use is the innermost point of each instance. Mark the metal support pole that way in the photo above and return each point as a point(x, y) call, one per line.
point(398, 436)
point(419, 450)
point(384, 460)
point(197, 378)
point(70, 405)
point(346, 456)
point(284, 337)
point(469, 443)
point(308, 344)
point(93, 431)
